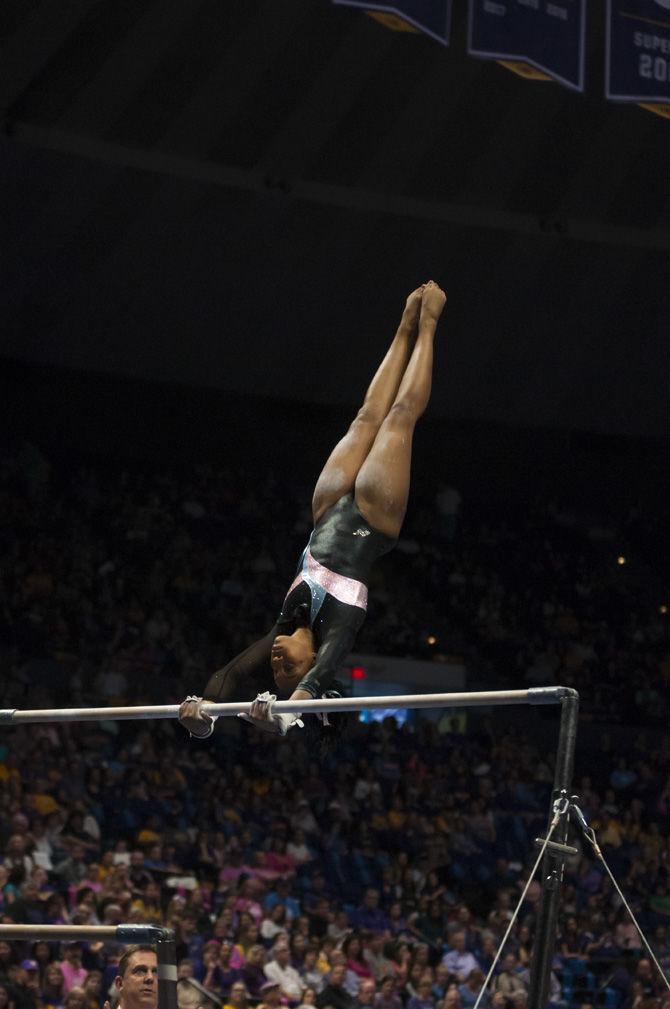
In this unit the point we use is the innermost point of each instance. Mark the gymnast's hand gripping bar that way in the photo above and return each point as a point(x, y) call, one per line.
point(482, 698)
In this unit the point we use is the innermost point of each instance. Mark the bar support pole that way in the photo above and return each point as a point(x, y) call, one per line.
point(554, 860)
point(166, 951)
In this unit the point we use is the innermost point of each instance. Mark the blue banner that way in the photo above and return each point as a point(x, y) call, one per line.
point(638, 50)
point(432, 17)
point(548, 36)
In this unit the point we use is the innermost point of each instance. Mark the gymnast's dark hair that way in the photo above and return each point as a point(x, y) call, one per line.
point(329, 737)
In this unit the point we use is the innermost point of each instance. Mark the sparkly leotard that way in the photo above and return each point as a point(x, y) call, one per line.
point(332, 581)
point(329, 594)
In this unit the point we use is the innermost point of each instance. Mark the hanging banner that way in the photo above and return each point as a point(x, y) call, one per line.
point(432, 17)
point(532, 37)
point(638, 52)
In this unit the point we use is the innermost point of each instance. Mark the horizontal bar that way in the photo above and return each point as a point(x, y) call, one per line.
point(121, 933)
point(564, 849)
point(538, 695)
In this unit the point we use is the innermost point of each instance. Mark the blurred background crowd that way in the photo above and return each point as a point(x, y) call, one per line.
point(123, 578)
point(382, 873)
point(212, 214)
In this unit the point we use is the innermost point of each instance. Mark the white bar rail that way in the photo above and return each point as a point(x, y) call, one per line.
point(534, 695)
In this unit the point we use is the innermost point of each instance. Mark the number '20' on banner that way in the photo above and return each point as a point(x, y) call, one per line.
point(549, 37)
point(432, 17)
point(638, 51)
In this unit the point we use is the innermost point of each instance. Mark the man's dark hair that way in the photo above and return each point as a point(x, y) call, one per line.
point(125, 959)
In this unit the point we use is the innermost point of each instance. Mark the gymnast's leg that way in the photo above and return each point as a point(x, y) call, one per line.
point(338, 476)
point(382, 485)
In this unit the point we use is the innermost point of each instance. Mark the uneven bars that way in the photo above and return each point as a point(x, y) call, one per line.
point(480, 698)
point(129, 934)
point(162, 938)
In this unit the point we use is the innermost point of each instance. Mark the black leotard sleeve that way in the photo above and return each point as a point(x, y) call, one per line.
point(345, 543)
point(337, 628)
point(248, 674)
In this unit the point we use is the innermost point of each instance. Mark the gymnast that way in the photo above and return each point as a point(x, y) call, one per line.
point(358, 508)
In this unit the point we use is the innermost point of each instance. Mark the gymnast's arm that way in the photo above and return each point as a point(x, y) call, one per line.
point(337, 632)
point(338, 640)
point(242, 678)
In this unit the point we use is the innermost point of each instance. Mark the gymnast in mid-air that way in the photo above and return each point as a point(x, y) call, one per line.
point(358, 508)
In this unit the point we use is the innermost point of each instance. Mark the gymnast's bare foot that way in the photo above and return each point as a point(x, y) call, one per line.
point(410, 316)
point(433, 300)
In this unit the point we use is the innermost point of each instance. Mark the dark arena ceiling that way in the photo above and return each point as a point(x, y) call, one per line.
point(240, 192)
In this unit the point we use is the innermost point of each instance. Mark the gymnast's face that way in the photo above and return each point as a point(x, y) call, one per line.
point(291, 657)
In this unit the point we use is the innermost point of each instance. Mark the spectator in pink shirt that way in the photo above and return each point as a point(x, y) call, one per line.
point(353, 951)
point(74, 974)
point(246, 901)
point(278, 860)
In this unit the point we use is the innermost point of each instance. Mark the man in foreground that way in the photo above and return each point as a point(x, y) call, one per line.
point(136, 983)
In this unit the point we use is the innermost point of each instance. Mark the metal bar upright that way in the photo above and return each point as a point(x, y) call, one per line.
point(166, 953)
point(554, 861)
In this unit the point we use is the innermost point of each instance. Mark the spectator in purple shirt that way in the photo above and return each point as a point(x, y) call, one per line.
point(369, 916)
point(253, 973)
point(365, 996)
point(469, 990)
point(424, 998)
point(458, 960)
point(228, 974)
point(387, 996)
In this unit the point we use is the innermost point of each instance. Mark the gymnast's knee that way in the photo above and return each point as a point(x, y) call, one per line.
point(368, 420)
point(403, 415)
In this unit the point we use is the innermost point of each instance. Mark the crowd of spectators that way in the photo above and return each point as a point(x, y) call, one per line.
point(382, 874)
